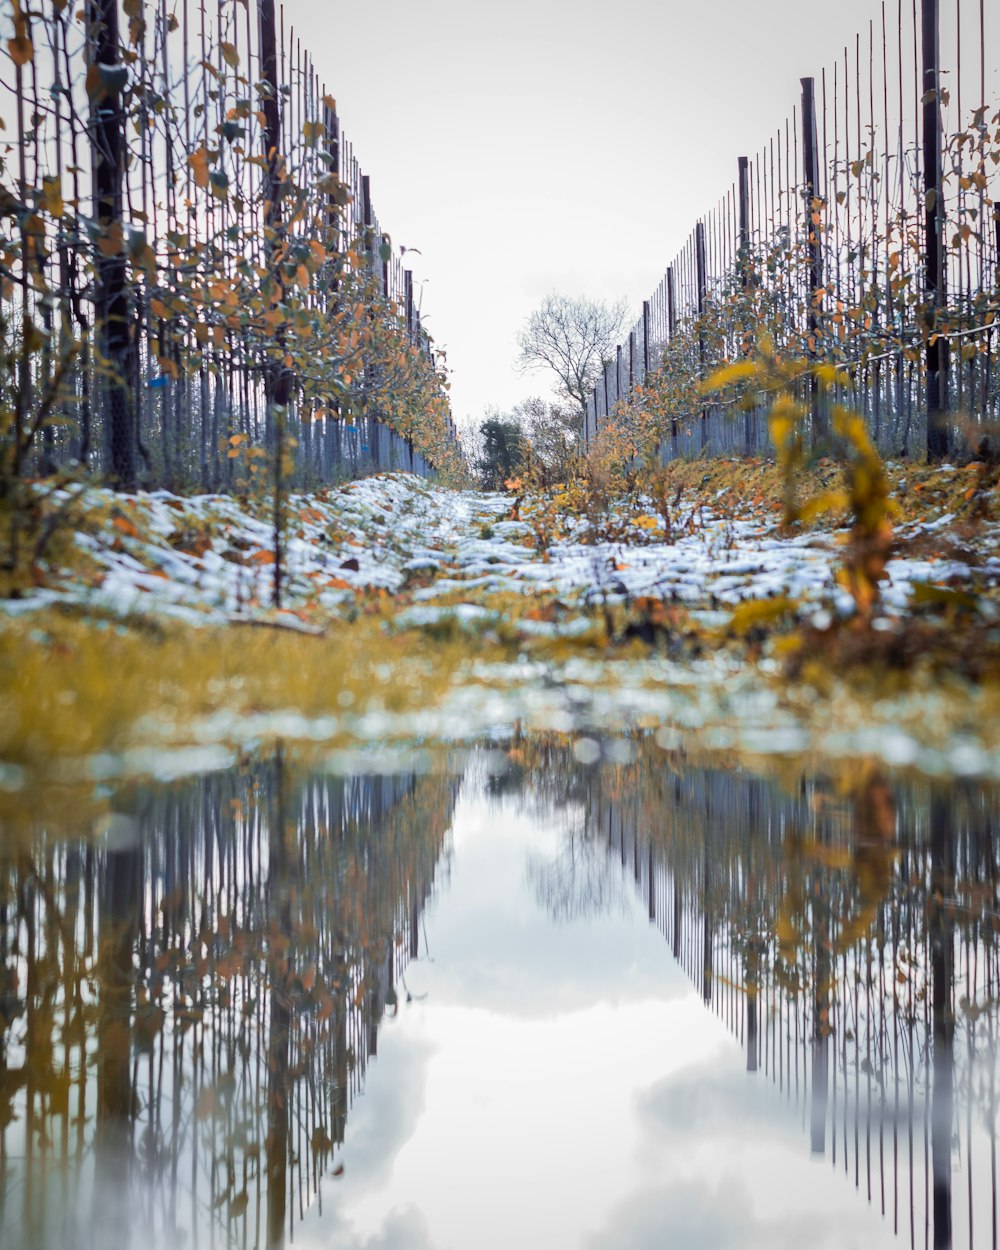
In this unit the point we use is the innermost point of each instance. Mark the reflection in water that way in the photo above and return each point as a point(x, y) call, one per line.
point(848, 939)
point(188, 1004)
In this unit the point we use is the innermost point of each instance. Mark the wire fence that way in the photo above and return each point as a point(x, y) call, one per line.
point(865, 234)
point(190, 1013)
point(191, 264)
point(850, 947)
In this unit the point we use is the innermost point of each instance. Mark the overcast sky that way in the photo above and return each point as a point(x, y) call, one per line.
point(539, 145)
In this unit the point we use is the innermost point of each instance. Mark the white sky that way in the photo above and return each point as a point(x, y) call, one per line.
point(538, 145)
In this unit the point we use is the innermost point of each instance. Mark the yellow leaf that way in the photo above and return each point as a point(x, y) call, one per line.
point(52, 196)
point(728, 374)
point(828, 501)
point(760, 612)
point(229, 54)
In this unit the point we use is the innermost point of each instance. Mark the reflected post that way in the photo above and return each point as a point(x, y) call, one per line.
point(119, 902)
point(942, 951)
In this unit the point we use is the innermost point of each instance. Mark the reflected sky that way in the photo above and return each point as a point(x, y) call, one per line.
point(533, 1002)
point(560, 1084)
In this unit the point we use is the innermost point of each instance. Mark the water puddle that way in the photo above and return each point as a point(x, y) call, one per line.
point(591, 993)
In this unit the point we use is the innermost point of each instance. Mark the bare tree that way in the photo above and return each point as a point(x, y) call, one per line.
point(574, 338)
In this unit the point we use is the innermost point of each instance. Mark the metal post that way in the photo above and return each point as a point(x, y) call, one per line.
point(371, 420)
point(744, 210)
point(934, 256)
point(813, 205)
point(743, 266)
point(699, 239)
point(113, 313)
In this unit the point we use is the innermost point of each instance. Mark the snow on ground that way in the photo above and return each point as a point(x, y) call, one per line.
point(428, 554)
point(203, 559)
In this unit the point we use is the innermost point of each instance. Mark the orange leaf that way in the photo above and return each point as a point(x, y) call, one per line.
point(263, 557)
point(199, 166)
point(125, 526)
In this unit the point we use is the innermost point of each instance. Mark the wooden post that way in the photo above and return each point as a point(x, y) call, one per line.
point(408, 280)
point(934, 255)
point(631, 364)
point(812, 204)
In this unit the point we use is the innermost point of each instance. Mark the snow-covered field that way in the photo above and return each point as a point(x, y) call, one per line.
point(203, 559)
point(426, 556)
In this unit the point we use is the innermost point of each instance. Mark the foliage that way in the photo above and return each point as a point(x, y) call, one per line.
point(501, 453)
point(251, 280)
point(868, 315)
point(551, 433)
point(867, 494)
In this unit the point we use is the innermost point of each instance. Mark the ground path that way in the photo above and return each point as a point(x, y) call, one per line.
point(532, 617)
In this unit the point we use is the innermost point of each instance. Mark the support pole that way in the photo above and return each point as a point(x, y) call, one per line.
point(371, 419)
point(934, 258)
point(671, 331)
point(112, 312)
point(813, 208)
point(699, 238)
point(743, 264)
